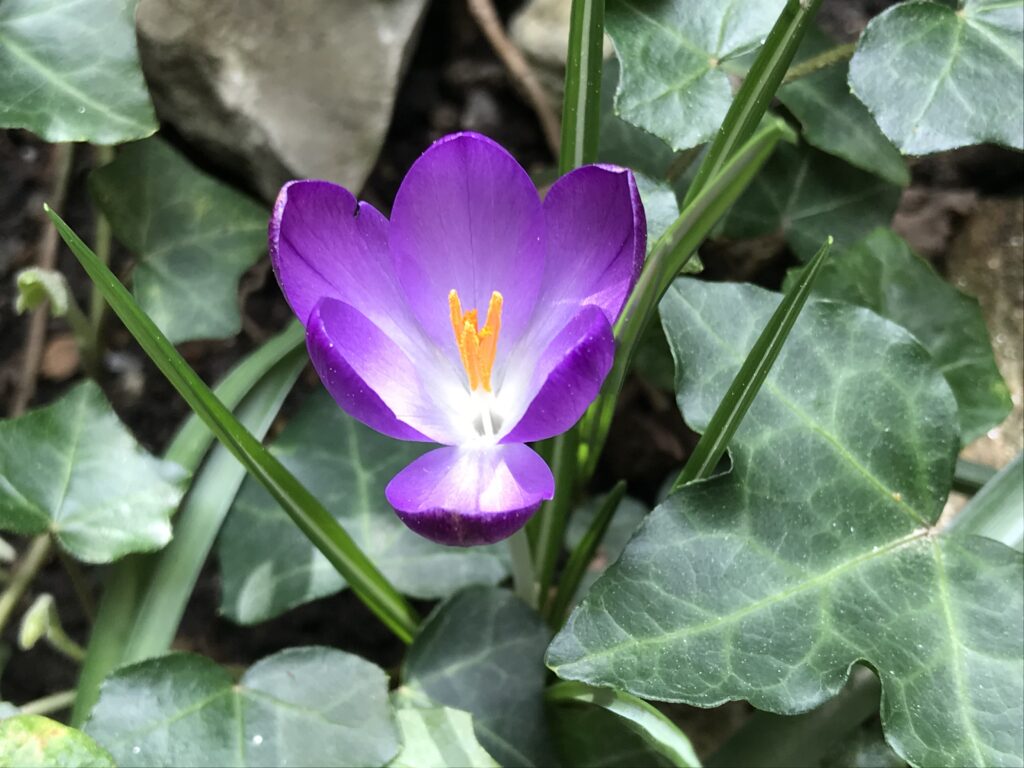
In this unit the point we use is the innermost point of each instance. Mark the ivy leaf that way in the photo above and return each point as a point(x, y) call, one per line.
point(439, 737)
point(675, 55)
point(628, 515)
point(817, 550)
point(28, 740)
point(73, 470)
point(482, 651)
point(835, 121)
point(883, 274)
point(591, 737)
point(808, 196)
point(193, 235)
point(302, 706)
point(70, 72)
point(936, 78)
point(269, 566)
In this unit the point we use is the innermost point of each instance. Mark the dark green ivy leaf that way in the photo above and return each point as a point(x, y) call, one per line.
point(818, 548)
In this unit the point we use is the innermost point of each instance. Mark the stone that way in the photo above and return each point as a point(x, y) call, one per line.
point(987, 261)
point(272, 91)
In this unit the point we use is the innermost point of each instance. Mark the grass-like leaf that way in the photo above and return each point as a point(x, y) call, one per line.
point(304, 509)
point(995, 512)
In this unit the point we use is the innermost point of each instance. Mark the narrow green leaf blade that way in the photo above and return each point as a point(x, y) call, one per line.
point(997, 511)
point(816, 550)
point(301, 706)
point(657, 730)
point(31, 740)
point(193, 236)
point(581, 106)
point(959, 74)
point(591, 737)
point(439, 737)
point(268, 567)
point(751, 375)
point(70, 71)
point(882, 273)
point(72, 469)
point(482, 651)
point(307, 513)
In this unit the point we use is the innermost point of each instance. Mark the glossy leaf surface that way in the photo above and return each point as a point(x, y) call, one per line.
point(268, 566)
point(883, 274)
point(482, 652)
point(675, 55)
point(31, 740)
point(302, 706)
point(193, 237)
point(439, 737)
point(808, 196)
point(70, 71)
point(72, 469)
point(937, 77)
point(769, 582)
point(591, 737)
point(835, 121)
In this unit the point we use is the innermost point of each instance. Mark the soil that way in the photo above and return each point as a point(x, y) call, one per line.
point(454, 81)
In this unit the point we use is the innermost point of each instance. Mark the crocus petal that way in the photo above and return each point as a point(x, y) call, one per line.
point(466, 496)
point(565, 380)
point(324, 243)
point(370, 377)
point(468, 217)
point(596, 235)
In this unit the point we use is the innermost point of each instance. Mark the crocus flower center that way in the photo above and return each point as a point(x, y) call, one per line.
point(477, 346)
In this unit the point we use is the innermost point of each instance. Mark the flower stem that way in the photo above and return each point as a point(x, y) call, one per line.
point(582, 103)
point(36, 557)
point(522, 567)
point(555, 513)
point(48, 704)
point(821, 61)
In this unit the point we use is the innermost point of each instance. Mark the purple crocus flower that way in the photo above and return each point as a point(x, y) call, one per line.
point(478, 318)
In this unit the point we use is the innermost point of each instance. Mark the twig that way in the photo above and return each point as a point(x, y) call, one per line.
point(490, 23)
point(52, 703)
point(46, 259)
point(822, 60)
point(26, 570)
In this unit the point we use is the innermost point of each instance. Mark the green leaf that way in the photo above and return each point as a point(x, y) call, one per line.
point(836, 122)
point(660, 733)
point(37, 285)
point(302, 507)
point(995, 511)
point(628, 516)
point(884, 275)
point(302, 706)
point(193, 235)
point(675, 55)
point(936, 78)
point(267, 566)
point(816, 550)
point(32, 740)
point(72, 469)
point(808, 196)
point(70, 72)
point(624, 144)
point(864, 748)
point(592, 737)
point(439, 737)
point(482, 652)
point(581, 105)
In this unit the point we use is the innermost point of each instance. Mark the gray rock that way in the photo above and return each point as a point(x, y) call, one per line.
point(279, 90)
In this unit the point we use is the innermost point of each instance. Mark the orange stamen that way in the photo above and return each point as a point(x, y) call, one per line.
point(477, 347)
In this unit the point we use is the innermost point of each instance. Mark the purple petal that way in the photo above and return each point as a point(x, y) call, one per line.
point(324, 243)
point(468, 217)
point(370, 377)
point(466, 496)
point(566, 379)
point(596, 235)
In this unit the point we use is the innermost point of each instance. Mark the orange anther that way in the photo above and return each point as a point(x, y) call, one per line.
point(477, 347)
